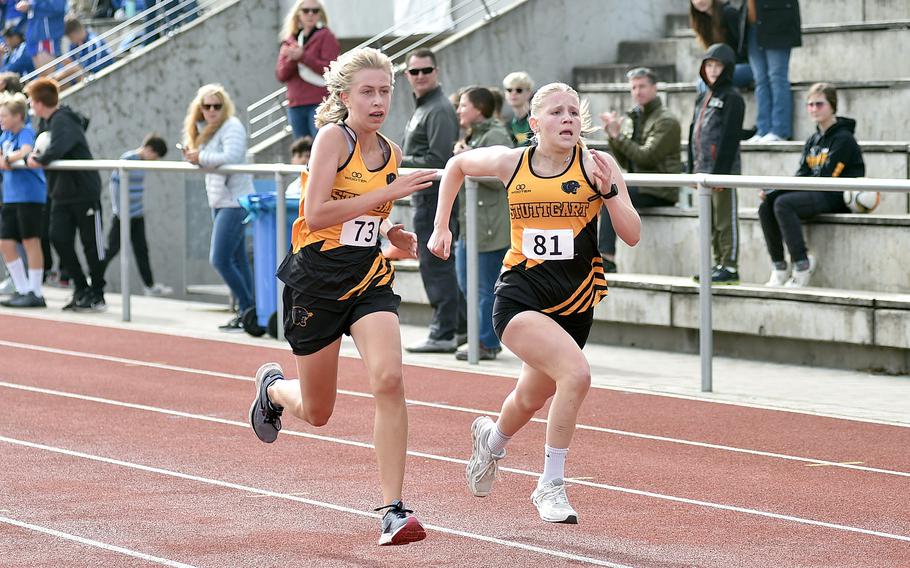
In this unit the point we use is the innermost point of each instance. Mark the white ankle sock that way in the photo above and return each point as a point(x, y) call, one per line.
point(497, 440)
point(17, 272)
point(554, 465)
point(35, 276)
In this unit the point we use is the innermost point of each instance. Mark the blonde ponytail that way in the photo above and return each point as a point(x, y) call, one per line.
point(338, 79)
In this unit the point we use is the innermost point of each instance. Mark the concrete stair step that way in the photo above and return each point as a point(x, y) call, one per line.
point(815, 12)
point(669, 247)
point(616, 73)
point(883, 160)
point(842, 327)
point(872, 104)
point(863, 62)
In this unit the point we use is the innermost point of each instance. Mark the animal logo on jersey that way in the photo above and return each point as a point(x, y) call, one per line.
point(300, 315)
point(571, 186)
point(390, 178)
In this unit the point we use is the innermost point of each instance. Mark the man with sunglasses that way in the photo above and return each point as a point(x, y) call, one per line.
point(429, 139)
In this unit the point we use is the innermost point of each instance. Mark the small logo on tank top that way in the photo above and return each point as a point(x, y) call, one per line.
point(571, 186)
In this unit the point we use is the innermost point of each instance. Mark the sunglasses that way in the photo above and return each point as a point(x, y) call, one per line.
point(216, 106)
point(417, 71)
point(815, 104)
point(518, 90)
point(313, 11)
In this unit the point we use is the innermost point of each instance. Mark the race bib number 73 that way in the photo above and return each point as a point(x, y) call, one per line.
point(544, 244)
point(362, 231)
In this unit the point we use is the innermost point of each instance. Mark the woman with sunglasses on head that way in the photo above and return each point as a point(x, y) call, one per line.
point(832, 151)
point(212, 137)
point(337, 282)
point(307, 48)
point(519, 87)
point(552, 279)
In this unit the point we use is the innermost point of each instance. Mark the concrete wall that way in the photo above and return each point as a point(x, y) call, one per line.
point(544, 37)
point(236, 46)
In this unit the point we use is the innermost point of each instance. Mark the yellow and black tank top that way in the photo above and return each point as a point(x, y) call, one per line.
point(553, 264)
point(343, 261)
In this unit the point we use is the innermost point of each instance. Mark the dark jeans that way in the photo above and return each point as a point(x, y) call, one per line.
point(303, 120)
point(607, 237)
point(780, 214)
point(140, 247)
point(85, 218)
point(228, 254)
point(439, 279)
point(489, 265)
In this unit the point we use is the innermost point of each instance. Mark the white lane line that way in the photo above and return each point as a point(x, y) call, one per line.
point(439, 406)
point(435, 457)
point(95, 543)
point(495, 372)
point(322, 504)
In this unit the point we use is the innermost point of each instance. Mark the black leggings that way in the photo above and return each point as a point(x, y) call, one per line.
point(84, 218)
point(780, 214)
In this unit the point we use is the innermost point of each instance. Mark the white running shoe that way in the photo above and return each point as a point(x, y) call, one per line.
point(158, 289)
point(800, 278)
point(778, 277)
point(481, 470)
point(553, 504)
point(770, 138)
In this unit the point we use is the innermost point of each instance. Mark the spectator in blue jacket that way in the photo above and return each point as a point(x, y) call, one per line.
point(90, 53)
point(12, 18)
point(15, 53)
point(44, 29)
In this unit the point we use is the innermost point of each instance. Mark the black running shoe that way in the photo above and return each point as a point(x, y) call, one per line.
point(77, 297)
point(91, 301)
point(29, 300)
point(398, 527)
point(265, 417)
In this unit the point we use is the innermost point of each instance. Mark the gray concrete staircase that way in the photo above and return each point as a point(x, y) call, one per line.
point(858, 312)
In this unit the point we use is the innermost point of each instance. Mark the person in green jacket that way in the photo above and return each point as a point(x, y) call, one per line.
point(648, 141)
point(475, 115)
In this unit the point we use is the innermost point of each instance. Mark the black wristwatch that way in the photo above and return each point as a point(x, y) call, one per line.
point(614, 191)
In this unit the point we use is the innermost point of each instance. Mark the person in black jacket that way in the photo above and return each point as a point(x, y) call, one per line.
point(714, 149)
point(76, 195)
point(716, 21)
point(774, 29)
point(831, 152)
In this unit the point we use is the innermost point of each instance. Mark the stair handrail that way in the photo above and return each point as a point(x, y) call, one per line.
point(161, 21)
point(278, 102)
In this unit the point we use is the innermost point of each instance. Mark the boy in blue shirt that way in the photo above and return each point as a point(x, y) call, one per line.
point(24, 196)
point(90, 53)
point(153, 148)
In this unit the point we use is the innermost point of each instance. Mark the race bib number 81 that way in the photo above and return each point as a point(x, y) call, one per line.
point(362, 231)
point(543, 244)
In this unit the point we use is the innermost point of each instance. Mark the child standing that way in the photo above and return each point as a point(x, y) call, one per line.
point(24, 195)
point(714, 149)
point(153, 148)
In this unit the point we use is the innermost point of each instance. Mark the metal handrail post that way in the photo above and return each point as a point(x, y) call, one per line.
point(472, 277)
point(705, 332)
point(126, 250)
point(281, 239)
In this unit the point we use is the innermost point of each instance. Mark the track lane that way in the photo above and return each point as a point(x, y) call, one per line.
point(434, 484)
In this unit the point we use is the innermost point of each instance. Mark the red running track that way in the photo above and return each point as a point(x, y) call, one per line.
point(124, 448)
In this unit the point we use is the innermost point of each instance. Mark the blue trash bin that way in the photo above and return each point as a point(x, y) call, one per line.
point(260, 209)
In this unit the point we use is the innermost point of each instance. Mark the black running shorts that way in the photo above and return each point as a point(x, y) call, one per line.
point(20, 221)
point(578, 326)
point(311, 323)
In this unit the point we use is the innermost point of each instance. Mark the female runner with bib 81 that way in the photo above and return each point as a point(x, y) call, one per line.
point(552, 279)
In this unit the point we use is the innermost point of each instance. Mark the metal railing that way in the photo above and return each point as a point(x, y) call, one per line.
point(268, 116)
point(153, 22)
point(703, 183)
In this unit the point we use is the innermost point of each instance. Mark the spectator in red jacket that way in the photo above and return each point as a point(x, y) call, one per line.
point(307, 48)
